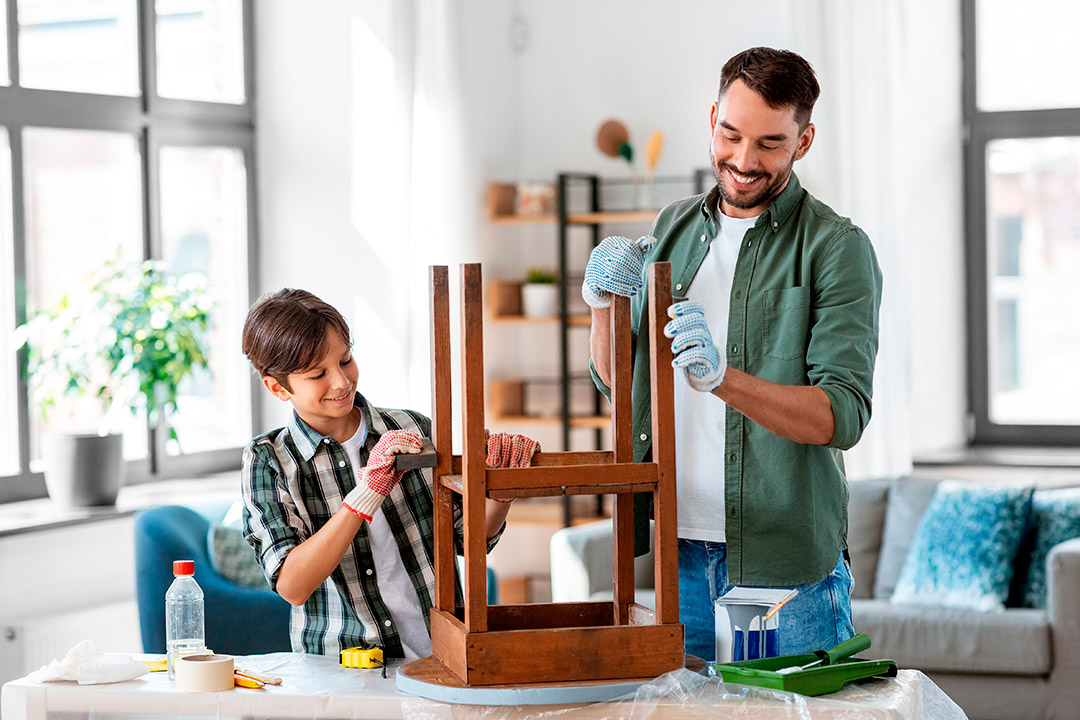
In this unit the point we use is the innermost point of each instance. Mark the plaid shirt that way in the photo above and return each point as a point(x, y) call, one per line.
point(293, 481)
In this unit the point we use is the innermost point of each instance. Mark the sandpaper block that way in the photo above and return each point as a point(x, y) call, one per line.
point(426, 458)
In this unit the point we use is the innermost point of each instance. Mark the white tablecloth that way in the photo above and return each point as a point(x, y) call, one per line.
point(317, 687)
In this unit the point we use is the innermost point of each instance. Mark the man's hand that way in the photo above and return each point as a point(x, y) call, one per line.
point(379, 477)
point(505, 450)
point(692, 343)
point(615, 266)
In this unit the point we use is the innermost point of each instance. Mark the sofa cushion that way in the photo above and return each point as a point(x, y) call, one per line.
point(1013, 642)
point(232, 558)
point(866, 518)
point(582, 562)
point(964, 548)
point(1056, 516)
point(907, 499)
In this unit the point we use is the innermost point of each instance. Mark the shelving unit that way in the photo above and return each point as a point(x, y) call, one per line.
point(582, 203)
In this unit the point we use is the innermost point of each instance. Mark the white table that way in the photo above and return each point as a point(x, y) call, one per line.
point(317, 687)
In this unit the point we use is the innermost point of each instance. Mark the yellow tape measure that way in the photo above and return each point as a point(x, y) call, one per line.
point(362, 657)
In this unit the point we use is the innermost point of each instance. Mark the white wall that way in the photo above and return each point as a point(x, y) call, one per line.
point(533, 111)
point(63, 586)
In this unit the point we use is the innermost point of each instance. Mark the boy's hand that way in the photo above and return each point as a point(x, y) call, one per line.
point(692, 343)
point(615, 266)
point(505, 450)
point(379, 477)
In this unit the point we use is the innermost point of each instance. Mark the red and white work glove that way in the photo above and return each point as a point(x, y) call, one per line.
point(506, 450)
point(379, 477)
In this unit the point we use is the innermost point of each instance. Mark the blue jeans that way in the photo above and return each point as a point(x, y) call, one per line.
point(815, 619)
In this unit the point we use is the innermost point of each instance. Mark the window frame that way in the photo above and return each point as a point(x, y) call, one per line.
point(981, 127)
point(154, 122)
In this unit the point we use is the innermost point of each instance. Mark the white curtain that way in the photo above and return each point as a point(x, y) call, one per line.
point(865, 57)
point(410, 177)
point(442, 221)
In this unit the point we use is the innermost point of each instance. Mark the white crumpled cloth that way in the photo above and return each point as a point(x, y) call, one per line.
point(87, 665)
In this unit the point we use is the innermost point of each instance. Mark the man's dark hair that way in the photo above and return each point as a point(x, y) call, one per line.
point(781, 77)
point(285, 332)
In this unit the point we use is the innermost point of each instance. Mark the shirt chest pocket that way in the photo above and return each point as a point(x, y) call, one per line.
point(787, 322)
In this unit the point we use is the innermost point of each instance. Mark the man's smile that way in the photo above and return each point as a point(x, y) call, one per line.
point(743, 182)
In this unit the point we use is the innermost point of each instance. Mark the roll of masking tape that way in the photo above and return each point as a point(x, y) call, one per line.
point(204, 673)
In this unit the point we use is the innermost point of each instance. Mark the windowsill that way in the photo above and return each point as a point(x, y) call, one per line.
point(1003, 456)
point(43, 514)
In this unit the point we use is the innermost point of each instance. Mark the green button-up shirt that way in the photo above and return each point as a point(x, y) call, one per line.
point(803, 311)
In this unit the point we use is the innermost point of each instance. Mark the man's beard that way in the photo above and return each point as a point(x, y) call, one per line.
point(769, 189)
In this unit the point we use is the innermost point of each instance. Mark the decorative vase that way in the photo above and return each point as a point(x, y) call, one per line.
point(83, 470)
point(645, 191)
point(540, 300)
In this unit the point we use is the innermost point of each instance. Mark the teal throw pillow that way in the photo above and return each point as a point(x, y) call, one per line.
point(233, 558)
point(964, 547)
point(1056, 519)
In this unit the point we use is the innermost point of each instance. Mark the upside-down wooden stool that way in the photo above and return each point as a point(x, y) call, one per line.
point(484, 645)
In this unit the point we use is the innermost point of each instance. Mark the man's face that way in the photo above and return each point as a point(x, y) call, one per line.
point(753, 149)
point(323, 394)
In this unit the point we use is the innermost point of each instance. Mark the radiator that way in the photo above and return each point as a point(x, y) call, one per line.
point(27, 644)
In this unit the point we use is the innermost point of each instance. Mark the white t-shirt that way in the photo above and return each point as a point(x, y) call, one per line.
point(700, 417)
point(396, 589)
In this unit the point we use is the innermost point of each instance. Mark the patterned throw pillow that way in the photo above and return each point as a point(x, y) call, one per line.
point(233, 559)
point(964, 548)
point(1057, 519)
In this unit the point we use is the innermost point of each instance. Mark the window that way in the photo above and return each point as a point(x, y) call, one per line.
point(1022, 110)
point(200, 50)
point(81, 199)
point(9, 391)
point(79, 45)
point(203, 214)
point(126, 134)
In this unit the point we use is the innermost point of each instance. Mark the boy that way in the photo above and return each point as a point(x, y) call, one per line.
point(351, 550)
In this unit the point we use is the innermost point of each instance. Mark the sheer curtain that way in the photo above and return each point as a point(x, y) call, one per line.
point(409, 179)
point(865, 55)
point(443, 223)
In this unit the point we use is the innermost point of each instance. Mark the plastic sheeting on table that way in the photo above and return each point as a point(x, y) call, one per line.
point(680, 694)
point(318, 687)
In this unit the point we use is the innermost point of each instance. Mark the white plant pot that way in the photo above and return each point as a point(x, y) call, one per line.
point(540, 300)
point(83, 470)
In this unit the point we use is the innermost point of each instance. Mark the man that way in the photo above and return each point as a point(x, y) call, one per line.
point(777, 340)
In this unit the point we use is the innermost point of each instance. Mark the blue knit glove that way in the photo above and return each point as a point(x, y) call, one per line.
point(692, 343)
point(615, 266)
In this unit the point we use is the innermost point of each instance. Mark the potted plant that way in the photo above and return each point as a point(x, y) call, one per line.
point(122, 342)
point(540, 293)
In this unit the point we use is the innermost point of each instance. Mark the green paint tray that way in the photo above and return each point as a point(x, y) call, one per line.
point(831, 670)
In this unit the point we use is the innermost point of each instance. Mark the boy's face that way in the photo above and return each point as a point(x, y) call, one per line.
point(322, 395)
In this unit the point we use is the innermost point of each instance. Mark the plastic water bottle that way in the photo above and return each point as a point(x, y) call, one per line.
point(185, 633)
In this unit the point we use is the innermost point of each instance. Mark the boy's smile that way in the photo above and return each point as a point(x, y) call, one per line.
point(323, 394)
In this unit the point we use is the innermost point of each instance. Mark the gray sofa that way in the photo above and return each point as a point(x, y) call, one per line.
point(1020, 663)
point(1017, 664)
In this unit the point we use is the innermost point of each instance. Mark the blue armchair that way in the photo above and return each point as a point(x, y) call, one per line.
point(239, 620)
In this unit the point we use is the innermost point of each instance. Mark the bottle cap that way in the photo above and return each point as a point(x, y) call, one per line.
point(183, 567)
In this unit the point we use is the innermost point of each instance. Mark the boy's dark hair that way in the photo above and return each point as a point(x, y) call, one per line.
point(781, 77)
point(285, 332)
